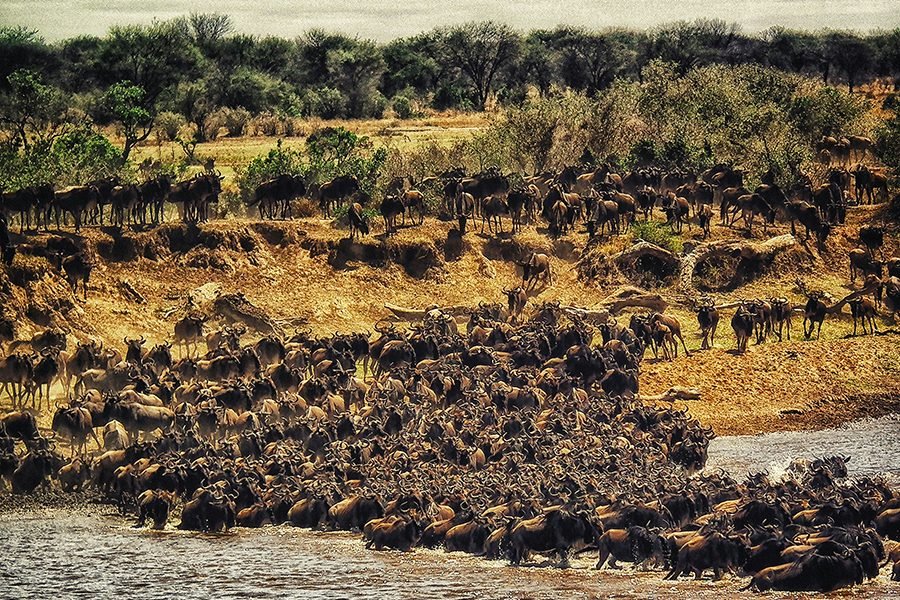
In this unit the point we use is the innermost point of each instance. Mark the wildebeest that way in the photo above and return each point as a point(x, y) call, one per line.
point(536, 267)
point(273, 197)
point(635, 544)
point(782, 311)
point(814, 313)
point(332, 194)
point(809, 217)
point(714, 551)
point(861, 262)
point(359, 224)
point(863, 309)
point(516, 300)
point(708, 319)
point(557, 530)
point(76, 424)
point(742, 323)
point(391, 207)
point(188, 331)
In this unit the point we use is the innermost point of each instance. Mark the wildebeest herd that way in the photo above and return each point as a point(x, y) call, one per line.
point(507, 440)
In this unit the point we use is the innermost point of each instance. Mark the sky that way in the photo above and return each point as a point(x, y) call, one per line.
point(383, 20)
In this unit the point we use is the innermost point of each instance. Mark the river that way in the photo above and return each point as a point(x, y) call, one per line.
point(384, 19)
point(87, 553)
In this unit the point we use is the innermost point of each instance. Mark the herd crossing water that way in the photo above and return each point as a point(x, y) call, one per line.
point(54, 553)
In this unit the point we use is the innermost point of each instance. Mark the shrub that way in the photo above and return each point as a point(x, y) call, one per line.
point(212, 124)
point(657, 233)
point(267, 124)
point(168, 125)
point(278, 161)
point(402, 107)
point(236, 120)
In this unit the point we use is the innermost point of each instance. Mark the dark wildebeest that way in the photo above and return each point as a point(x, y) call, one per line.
point(742, 322)
point(391, 207)
point(557, 530)
point(782, 311)
point(862, 262)
point(537, 266)
point(332, 194)
point(77, 269)
point(75, 201)
point(273, 197)
point(708, 319)
point(359, 224)
point(863, 309)
point(814, 312)
point(516, 300)
point(153, 193)
point(809, 217)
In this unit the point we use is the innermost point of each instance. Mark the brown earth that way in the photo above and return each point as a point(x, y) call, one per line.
point(306, 274)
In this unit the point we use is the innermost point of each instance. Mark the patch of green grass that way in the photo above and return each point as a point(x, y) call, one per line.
point(657, 233)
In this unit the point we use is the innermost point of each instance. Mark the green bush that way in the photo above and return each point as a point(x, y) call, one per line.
point(80, 155)
point(278, 161)
point(657, 233)
point(402, 107)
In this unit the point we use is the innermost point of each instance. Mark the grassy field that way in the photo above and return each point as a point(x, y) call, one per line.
point(443, 129)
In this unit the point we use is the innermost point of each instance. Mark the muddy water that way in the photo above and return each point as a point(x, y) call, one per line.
point(872, 444)
point(57, 554)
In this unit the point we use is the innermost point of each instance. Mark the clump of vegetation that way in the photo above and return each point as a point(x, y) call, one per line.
point(657, 233)
point(329, 152)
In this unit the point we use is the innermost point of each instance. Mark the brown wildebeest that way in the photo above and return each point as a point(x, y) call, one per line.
point(673, 324)
point(814, 312)
point(537, 266)
point(708, 319)
point(862, 262)
point(863, 309)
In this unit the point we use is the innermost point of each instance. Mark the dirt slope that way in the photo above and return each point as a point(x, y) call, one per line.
point(304, 273)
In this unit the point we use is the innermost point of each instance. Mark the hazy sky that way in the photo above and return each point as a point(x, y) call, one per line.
point(387, 19)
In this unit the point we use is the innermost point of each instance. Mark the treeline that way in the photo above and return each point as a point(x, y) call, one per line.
point(194, 66)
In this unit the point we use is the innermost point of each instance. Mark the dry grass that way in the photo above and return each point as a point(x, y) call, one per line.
point(440, 128)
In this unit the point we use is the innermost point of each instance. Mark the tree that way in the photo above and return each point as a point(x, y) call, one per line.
point(154, 58)
point(480, 50)
point(410, 64)
point(22, 48)
point(31, 110)
point(593, 60)
point(127, 104)
point(197, 100)
point(209, 29)
point(694, 43)
point(850, 53)
point(356, 70)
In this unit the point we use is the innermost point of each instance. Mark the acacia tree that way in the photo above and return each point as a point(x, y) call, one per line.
point(592, 60)
point(480, 50)
point(850, 54)
point(126, 103)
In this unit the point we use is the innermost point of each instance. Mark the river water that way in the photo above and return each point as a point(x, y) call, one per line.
point(89, 553)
